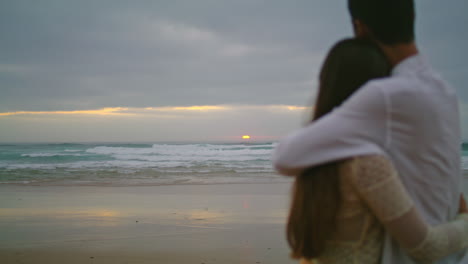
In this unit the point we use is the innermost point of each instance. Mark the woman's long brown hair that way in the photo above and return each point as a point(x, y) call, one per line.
point(316, 194)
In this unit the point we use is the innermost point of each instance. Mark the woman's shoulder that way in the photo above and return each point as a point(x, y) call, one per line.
point(367, 171)
point(368, 162)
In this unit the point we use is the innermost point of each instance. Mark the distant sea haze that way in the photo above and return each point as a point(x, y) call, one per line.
point(136, 164)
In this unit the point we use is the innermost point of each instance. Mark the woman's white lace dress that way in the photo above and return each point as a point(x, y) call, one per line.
point(374, 200)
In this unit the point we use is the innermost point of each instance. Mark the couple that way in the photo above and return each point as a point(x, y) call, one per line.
point(378, 170)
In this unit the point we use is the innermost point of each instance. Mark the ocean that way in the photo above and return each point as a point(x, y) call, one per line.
point(136, 164)
point(142, 164)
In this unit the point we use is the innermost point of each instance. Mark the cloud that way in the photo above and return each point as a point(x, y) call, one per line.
point(126, 111)
point(66, 56)
point(202, 40)
point(63, 55)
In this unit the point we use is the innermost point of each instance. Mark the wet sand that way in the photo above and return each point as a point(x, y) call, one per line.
point(230, 223)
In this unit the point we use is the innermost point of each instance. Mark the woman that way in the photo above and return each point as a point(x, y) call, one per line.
point(340, 210)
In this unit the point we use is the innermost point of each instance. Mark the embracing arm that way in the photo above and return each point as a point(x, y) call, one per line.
point(358, 127)
point(378, 185)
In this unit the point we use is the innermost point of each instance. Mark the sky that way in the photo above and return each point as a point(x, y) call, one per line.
point(185, 70)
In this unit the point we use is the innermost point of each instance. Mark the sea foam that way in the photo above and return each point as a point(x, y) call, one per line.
point(137, 163)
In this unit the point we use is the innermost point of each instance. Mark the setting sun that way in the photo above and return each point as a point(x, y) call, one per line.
point(245, 137)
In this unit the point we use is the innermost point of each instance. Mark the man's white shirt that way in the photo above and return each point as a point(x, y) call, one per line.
point(412, 118)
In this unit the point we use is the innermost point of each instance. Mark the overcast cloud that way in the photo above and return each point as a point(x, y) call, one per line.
point(58, 55)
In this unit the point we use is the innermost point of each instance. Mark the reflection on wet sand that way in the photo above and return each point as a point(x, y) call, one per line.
point(84, 216)
point(20, 212)
point(206, 216)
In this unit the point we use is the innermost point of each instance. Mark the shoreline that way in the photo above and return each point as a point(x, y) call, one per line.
point(287, 180)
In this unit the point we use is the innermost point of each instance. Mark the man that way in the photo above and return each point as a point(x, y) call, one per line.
point(411, 117)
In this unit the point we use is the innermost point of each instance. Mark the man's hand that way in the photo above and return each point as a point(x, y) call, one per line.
point(462, 207)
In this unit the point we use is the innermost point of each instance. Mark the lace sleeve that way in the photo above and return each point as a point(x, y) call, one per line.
point(376, 182)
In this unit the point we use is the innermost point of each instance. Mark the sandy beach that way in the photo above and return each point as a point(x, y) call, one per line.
point(223, 223)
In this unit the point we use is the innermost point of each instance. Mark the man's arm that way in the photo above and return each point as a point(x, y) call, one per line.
point(358, 127)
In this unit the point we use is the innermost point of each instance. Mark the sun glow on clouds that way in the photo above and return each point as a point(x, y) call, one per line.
point(102, 111)
point(126, 111)
point(295, 108)
point(188, 108)
point(171, 123)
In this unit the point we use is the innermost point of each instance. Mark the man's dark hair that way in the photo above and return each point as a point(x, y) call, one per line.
point(390, 21)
